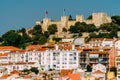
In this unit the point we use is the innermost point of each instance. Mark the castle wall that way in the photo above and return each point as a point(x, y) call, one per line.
point(71, 23)
point(79, 18)
point(88, 21)
point(59, 25)
point(97, 20)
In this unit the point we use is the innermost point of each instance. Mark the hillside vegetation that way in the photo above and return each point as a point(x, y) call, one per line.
point(21, 38)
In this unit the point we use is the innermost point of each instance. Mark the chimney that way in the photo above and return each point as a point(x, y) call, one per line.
point(73, 47)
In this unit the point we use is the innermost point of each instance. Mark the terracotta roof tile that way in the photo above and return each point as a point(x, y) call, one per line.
point(98, 72)
point(5, 76)
point(42, 49)
point(8, 48)
point(15, 72)
point(99, 52)
point(18, 63)
point(27, 76)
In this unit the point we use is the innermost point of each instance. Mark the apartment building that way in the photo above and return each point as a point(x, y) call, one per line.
point(62, 57)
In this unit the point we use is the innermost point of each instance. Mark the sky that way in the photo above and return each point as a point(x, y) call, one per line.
point(17, 14)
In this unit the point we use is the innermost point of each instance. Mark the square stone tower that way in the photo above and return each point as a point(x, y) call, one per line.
point(64, 22)
point(100, 18)
point(79, 18)
point(46, 23)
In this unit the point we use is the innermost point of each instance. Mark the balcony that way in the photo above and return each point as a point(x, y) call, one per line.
point(94, 61)
point(103, 62)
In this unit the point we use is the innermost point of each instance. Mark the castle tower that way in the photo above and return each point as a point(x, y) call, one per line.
point(79, 18)
point(64, 22)
point(46, 23)
point(100, 18)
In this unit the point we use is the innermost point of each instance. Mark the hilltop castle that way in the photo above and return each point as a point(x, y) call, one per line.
point(97, 20)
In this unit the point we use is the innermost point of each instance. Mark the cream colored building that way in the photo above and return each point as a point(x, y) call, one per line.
point(97, 20)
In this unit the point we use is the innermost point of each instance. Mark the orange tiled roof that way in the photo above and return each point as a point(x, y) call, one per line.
point(65, 72)
point(108, 39)
point(42, 49)
point(98, 52)
point(8, 48)
point(33, 47)
point(74, 76)
point(18, 63)
point(98, 72)
point(65, 47)
point(21, 51)
point(87, 49)
point(5, 64)
point(93, 39)
point(4, 76)
point(79, 49)
point(15, 72)
point(27, 76)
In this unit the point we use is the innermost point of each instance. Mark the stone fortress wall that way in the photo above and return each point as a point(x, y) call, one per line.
point(97, 20)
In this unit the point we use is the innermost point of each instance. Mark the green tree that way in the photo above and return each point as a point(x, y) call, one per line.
point(80, 34)
point(109, 27)
point(25, 38)
point(64, 30)
point(74, 36)
point(57, 39)
point(27, 71)
point(39, 39)
point(42, 39)
point(82, 27)
point(46, 34)
point(114, 69)
point(90, 17)
point(35, 70)
point(90, 28)
point(52, 28)
point(37, 30)
point(1, 39)
point(73, 29)
point(116, 19)
point(11, 38)
point(89, 69)
point(93, 35)
point(113, 33)
point(23, 30)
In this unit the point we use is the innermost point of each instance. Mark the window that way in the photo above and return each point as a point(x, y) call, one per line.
point(74, 53)
point(36, 58)
point(119, 77)
point(74, 58)
point(17, 67)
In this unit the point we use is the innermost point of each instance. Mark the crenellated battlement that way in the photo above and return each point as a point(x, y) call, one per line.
point(97, 20)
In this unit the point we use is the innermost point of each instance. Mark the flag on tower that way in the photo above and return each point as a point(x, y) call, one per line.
point(64, 10)
point(46, 12)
